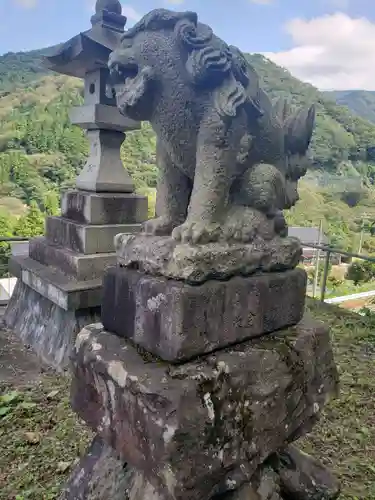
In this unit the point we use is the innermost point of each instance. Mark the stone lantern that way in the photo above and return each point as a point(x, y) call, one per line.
point(85, 56)
point(60, 281)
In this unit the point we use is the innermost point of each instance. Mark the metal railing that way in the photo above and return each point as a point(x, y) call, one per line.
point(13, 245)
point(11, 239)
point(13, 250)
point(329, 251)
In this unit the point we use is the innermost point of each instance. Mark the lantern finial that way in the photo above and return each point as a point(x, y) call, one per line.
point(113, 6)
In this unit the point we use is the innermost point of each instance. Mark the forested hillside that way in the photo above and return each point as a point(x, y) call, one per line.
point(20, 68)
point(41, 153)
point(360, 102)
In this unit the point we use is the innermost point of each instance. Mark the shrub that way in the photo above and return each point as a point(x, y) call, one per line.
point(361, 272)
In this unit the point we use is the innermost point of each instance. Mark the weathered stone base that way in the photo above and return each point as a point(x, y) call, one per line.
point(59, 286)
point(46, 327)
point(163, 256)
point(98, 476)
point(206, 427)
point(177, 321)
point(289, 474)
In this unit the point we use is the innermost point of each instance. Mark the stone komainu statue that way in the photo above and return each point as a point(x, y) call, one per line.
point(229, 159)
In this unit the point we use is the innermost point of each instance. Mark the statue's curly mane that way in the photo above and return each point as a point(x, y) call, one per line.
point(210, 62)
point(159, 19)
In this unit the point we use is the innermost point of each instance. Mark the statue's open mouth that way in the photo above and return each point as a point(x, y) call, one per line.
point(128, 82)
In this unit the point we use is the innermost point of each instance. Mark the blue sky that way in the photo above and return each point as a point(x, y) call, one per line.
point(276, 27)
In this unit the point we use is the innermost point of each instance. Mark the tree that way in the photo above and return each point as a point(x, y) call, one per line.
point(363, 271)
point(31, 224)
point(51, 204)
point(6, 231)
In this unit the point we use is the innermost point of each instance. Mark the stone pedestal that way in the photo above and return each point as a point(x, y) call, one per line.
point(201, 389)
point(59, 288)
point(177, 321)
point(219, 426)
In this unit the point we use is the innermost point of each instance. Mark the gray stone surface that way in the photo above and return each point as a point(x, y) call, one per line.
point(79, 266)
point(196, 428)
point(222, 146)
point(46, 327)
point(98, 476)
point(104, 170)
point(101, 116)
point(177, 321)
point(101, 476)
point(263, 486)
point(104, 208)
point(52, 284)
point(19, 365)
point(304, 478)
point(86, 239)
point(195, 264)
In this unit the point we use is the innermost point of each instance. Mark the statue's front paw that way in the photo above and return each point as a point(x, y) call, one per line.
point(161, 226)
point(197, 232)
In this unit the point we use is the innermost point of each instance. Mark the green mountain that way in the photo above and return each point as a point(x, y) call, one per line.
point(360, 102)
point(41, 153)
point(20, 68)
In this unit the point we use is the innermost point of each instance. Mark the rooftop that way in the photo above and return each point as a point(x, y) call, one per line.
point(307, 235)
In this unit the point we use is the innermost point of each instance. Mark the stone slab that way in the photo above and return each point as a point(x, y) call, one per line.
point(65, 292)
point(177, 321)
point(79, 266)
point(194, 429)
point(195, 264)
point(46, 327)
point(85, 207)
point(86, 239)
point(101, 116)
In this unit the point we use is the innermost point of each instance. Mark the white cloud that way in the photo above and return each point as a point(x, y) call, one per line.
point(131, 14)
point(27, 4)
point(331, 52)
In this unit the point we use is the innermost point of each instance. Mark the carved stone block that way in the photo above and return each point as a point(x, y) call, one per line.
point(178, 321)
point(104, 208)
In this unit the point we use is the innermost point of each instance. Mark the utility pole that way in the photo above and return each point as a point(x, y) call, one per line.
point(361, 236)
point(317, 259)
